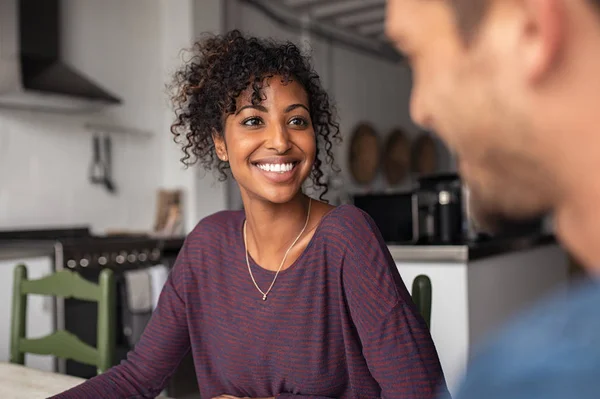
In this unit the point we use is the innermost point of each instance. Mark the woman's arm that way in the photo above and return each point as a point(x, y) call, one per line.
point(154, 359)
point(396, 342)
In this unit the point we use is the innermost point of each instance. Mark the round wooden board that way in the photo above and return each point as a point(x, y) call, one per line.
point(396, 157)
point(363, 158)
point(424, 155)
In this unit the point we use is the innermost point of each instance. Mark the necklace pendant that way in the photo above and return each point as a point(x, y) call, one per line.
point(264, 297)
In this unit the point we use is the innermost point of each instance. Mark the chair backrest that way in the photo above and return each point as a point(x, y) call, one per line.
point(63, 344)
point(421, 295)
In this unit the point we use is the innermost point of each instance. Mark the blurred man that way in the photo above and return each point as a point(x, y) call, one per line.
point(513, 87)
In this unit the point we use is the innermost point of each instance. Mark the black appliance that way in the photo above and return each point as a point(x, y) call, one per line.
point(77, 249)
point(436, 212)
point(441, 210)
point(392, 213)
point(433, 213)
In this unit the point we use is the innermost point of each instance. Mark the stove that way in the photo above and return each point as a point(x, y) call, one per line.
point(77, 249)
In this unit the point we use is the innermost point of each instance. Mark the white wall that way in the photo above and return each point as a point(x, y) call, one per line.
point(131, 48)
point(371, 90)
point(183, 22)
point(44, 158)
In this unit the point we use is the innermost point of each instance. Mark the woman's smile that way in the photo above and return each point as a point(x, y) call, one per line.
point(278, 170)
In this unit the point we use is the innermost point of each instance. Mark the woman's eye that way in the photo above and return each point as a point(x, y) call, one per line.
point(254, 121)
point(299, 121)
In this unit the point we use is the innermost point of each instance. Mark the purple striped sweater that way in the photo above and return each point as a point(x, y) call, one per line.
point(339, 322)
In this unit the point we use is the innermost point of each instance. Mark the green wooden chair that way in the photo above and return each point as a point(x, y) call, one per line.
point(421, 295)
point(63, 344)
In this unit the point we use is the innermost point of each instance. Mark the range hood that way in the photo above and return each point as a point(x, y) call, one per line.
point(32, 73)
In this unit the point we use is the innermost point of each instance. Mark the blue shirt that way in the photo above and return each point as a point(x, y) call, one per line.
point(551, 352)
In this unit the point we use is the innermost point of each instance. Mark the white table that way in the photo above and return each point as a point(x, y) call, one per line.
point(20, 382)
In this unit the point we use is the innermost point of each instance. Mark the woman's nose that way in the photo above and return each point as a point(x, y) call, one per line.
point(279, 139)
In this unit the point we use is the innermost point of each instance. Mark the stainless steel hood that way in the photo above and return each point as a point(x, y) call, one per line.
point(32, 73)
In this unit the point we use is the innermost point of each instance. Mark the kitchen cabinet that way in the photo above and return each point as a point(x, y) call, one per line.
point(472, 296)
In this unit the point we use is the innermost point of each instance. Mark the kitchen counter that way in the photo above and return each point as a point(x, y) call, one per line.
point(478, 287)
point(467, 252)
point(446, 253)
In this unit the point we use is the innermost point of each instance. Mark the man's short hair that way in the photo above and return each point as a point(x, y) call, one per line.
point(470, 13)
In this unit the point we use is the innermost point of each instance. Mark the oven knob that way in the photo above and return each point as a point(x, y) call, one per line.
point(84, 262)
point(143, 257)
point(102, 260)
point(71, 263)
point(155, 255)
point(120, 259)
point(131, 258)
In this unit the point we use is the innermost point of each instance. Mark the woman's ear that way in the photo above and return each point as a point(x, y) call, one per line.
point(220, 146)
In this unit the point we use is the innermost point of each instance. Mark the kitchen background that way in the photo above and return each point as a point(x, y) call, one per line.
point(49, 179)
point(131, 48)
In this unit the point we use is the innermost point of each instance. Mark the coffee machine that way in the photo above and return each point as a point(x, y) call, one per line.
point(436, 211)
point(441, 215)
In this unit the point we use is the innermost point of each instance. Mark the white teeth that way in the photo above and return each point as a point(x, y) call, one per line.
point(276, 167)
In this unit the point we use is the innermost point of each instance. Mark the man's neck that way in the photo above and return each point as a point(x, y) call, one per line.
point(577, 222)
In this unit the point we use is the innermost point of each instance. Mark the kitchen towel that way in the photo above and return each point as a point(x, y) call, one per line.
point(139, 290)
point(158, 278)
point(137, 301)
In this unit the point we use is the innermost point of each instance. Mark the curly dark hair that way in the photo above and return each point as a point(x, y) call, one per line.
point(220, 69)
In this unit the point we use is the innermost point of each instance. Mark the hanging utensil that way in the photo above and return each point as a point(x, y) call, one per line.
point(96, 171)
point(363, 157)
point(100, 171)
point(396, 157)
point(108, 179)
point(424, 155)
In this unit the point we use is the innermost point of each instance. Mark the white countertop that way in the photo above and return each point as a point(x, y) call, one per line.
point(467, 252)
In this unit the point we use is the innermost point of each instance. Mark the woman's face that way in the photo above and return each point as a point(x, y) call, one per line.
point(270, 146)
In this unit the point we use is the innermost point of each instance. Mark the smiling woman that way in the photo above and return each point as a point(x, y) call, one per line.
point(226, 80)
point(291, 297)
point(271, 146)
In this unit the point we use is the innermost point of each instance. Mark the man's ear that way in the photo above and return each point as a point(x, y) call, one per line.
point(220, 146)
point(544, 33)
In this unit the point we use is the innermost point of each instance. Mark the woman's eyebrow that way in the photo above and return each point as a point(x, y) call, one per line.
point(294, 106)
point(258, 107)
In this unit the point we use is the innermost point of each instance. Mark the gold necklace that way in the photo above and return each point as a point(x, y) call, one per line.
point(264, 294)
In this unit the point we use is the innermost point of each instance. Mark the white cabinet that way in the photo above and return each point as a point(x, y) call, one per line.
point(449, 311)
point(471, 299)
point(40, 318)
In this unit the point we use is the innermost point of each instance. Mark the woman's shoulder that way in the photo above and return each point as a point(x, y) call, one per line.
point(220, 225)
point(347, 214)
point(349, 222)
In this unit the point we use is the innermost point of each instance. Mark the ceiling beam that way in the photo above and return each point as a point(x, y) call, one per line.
point(361, 18)
point(307, 4)
point(372, 29)
point(344, 7)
